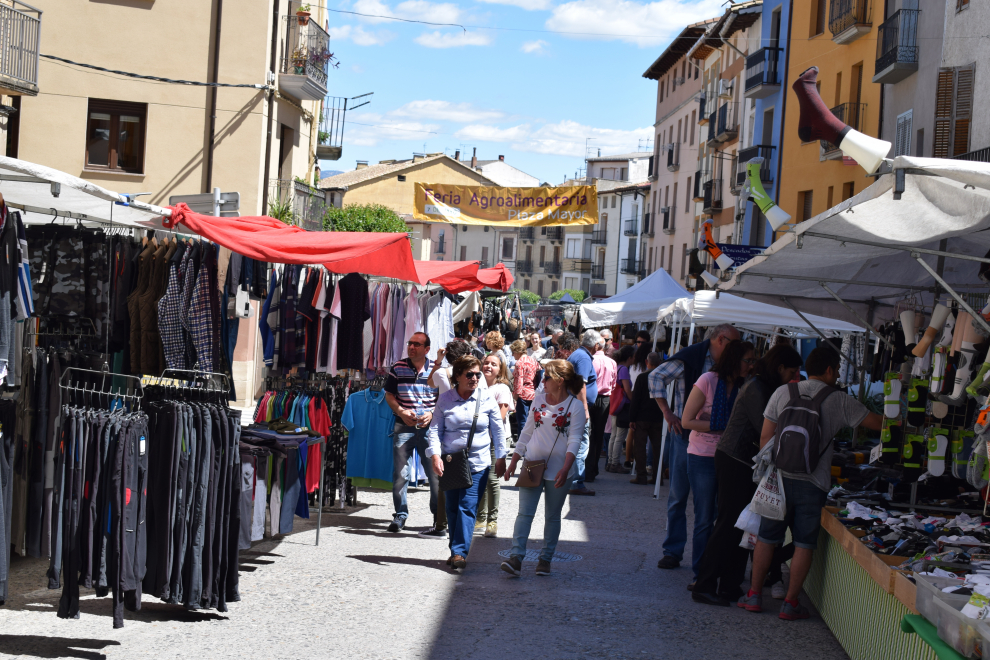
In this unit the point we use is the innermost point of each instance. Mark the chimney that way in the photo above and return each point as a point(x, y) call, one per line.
point(418, 157)
point(457, 155)
point(599, 152)
point(361, 164)
point(474, 158)
point(501, 157)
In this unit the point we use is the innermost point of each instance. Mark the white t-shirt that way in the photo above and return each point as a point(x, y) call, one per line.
point(503, 396)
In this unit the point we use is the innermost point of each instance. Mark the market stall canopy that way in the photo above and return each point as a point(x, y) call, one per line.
point(460, 276)
point(862, 249)
point(637, 304)
point(705, 309)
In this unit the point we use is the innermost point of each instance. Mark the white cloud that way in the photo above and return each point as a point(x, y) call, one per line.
point(483, 133)
point(360, 36)
point(567, 138)
point(367, 129)
point(531, 5)
point(534, 46)
point(418, 10)
point(643, 24)
point(452, 39)
point(461, 113)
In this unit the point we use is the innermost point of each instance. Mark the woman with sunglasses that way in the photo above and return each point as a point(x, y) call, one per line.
point(706, 413)
point(450, 431)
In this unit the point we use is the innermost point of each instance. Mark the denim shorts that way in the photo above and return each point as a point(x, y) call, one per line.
point(804, 515)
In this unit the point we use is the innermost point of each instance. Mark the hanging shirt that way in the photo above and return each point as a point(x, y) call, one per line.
point(368, 421)
point(355, 309)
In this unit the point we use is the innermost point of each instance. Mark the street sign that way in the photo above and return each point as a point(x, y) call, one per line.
point(230, 203)
point(740, 254)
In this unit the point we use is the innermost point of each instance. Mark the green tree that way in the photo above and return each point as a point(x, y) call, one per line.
point(363, 217)
point(528, 297)
point(559, 293)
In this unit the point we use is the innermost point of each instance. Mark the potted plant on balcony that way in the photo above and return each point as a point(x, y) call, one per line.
point(299, 57)
point(303, 13)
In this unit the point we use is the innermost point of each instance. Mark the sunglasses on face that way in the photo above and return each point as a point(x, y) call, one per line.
point(750, 360)
point(473, 375)
point(417, 344)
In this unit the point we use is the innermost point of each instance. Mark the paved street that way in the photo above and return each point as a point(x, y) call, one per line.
point(364, 593)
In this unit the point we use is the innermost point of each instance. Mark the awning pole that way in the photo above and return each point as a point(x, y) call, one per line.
point(945, 285)
point(820, 333)
point(904, 248)
point(865, 323)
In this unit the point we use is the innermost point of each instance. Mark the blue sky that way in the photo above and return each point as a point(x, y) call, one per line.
point(531, 92)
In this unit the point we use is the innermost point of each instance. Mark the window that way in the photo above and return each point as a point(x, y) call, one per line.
point(463, 253)
point(649, 259)
point(570, 282)
point(539, 288)
point(818, 17)
point(526, 285)
point(508, 248)
point(902, 134)
point(848, 190)
point(484, 254)
point(953, 111)
point(115, 133)
point(683, 259)
point(805, 199)
point(828, 197)
point(573, 249)
point(613, 201)
point(14, 127)
point(622, 174)
point(663, 251)
point(553, 286)
point(687, 197)
point(402, 177)
point(543, 255)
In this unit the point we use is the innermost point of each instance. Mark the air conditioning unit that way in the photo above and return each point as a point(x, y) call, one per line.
point(725, 89)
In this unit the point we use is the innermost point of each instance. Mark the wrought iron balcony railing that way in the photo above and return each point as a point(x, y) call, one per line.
point(713, 196)
point(20, 32)
point(764, 151)
point(551, 267)
point(527, 233)
point(763, 74)
point(555, 233)
point(897, 47)
point(598, 237)
point(305, 57)
point(849, 19)
point(631, 227)
point(524, 265)
point(598, 271)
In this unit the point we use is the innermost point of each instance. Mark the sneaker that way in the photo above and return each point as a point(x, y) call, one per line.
point(397, 525)
point(543, 567)
point(709, 599)
point(608, 468)
point(491, 531)
point(458, 562)
point(751, 602)
point(434, 533)
point(479, 527)
point(581, 491)
point(668, 561)
point(793, 611)
point(512, 566)
point(638, 481)
point(778, 591)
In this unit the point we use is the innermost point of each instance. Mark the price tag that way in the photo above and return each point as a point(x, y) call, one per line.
point(875, 453)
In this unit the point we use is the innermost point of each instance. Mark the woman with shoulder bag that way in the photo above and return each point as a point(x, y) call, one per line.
point(619, 408)
point(548, 443)
point(465, 422)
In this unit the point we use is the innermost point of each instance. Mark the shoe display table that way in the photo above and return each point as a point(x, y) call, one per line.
point(861, 598)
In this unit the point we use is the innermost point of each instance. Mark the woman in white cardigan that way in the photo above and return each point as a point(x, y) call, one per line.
point(553, 434)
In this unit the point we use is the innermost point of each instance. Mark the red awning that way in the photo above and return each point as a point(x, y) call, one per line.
point(460, 276)
point(268, 239)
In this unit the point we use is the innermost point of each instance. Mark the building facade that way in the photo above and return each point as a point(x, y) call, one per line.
point(960, 129)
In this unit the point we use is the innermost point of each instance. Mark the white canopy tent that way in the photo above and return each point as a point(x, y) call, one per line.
point(637, 304)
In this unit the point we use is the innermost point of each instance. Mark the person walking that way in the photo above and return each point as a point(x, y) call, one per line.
point(496, 376)
point(553, 434)
point(580, 359)
point(645, 424)
point(605, 372)
point(706, 413)
point(523, 385)
point(619, 406)
point(412, 399)
point(723, 565)
point(608, 347)
point(466, 418)
point(805, 494)
point(682, 371)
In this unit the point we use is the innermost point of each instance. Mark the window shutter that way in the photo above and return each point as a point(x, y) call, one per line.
point(963, 110)
point(943, 114)
point(808, 197)
point(902, 139)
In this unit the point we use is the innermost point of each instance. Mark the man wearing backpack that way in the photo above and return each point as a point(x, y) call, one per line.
point(808, 452)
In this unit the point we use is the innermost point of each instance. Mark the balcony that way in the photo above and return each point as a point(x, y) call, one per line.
point(849, 20)
point(763, 151)
point(527, 233)
point(712, 123)
point(713, 197)
point(296, 203)
point(551, 267)
point(524, 266)
point(980, 155)
point(728, 122)
point(852, 114)
point(897, 47)
point(598, 271)
point(20, 31)
point(649, 219)
point(580, 266)
point(555, 233)
point(305, 56)
point(330, 140)
point(668, 213)
point(702, 117)
point(631, 227)
point(673, 157)
point(763, 73)
point(632, 267)
point(441, 248)
point(598, 237)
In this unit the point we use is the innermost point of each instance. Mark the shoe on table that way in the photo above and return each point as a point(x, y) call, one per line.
point(458, 562)
point(752, 602)
point(581, 491)
point(397, 525)
point(708, 599)
point(793, 611)
point(778, 591)
point(491, 531)
point(639, 481)
point(543, 567)
point(434, 533)
point(512, 566)
point(668, 561)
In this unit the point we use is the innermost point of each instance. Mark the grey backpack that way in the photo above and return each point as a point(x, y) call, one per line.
point(797, 447)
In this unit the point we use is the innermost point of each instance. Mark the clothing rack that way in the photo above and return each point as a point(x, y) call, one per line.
point(83, 387)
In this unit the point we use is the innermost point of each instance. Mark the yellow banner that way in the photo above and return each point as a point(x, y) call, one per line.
point(509, 207)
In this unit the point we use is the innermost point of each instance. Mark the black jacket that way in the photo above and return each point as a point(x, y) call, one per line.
point(643, 408)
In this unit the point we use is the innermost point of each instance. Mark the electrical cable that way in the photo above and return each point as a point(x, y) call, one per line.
point(155, 78)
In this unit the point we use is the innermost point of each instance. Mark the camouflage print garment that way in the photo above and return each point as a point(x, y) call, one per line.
point(58, 266)
point(97, 283)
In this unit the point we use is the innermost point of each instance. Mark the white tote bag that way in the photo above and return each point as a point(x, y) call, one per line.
point(769, 499)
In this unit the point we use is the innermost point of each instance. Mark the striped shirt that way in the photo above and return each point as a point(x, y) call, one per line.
point(410, 388)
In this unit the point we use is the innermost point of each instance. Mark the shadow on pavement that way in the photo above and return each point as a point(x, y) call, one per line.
point(53, 647)
point(383, 560)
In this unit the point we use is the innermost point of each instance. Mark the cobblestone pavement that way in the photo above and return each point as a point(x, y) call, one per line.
point(365, 593)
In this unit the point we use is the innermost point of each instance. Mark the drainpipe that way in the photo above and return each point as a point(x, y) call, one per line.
point(725, 28)
point(783, 111)
point(213, 98)
point(271, 110)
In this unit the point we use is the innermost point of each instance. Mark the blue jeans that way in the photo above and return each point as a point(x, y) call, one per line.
point(406, 440)
point(462, 511)
point(804, 501)
point(529, 500)
point(677, 496)
point(578, 467)
point(704, 486)
point(522, 412)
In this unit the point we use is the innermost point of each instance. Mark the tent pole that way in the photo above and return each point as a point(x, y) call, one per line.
point(866, 324)
point(658, 478)
point(820, 333)
point(962, 303)
point(938, 253)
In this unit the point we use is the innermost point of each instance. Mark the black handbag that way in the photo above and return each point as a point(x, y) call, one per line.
point(456, 467)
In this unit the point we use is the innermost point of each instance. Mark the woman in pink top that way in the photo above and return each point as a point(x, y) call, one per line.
point(706, 412)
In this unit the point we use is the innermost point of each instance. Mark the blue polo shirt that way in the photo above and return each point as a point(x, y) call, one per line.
point(581, 360)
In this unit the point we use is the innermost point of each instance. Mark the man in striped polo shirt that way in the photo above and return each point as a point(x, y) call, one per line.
point(412, 400)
